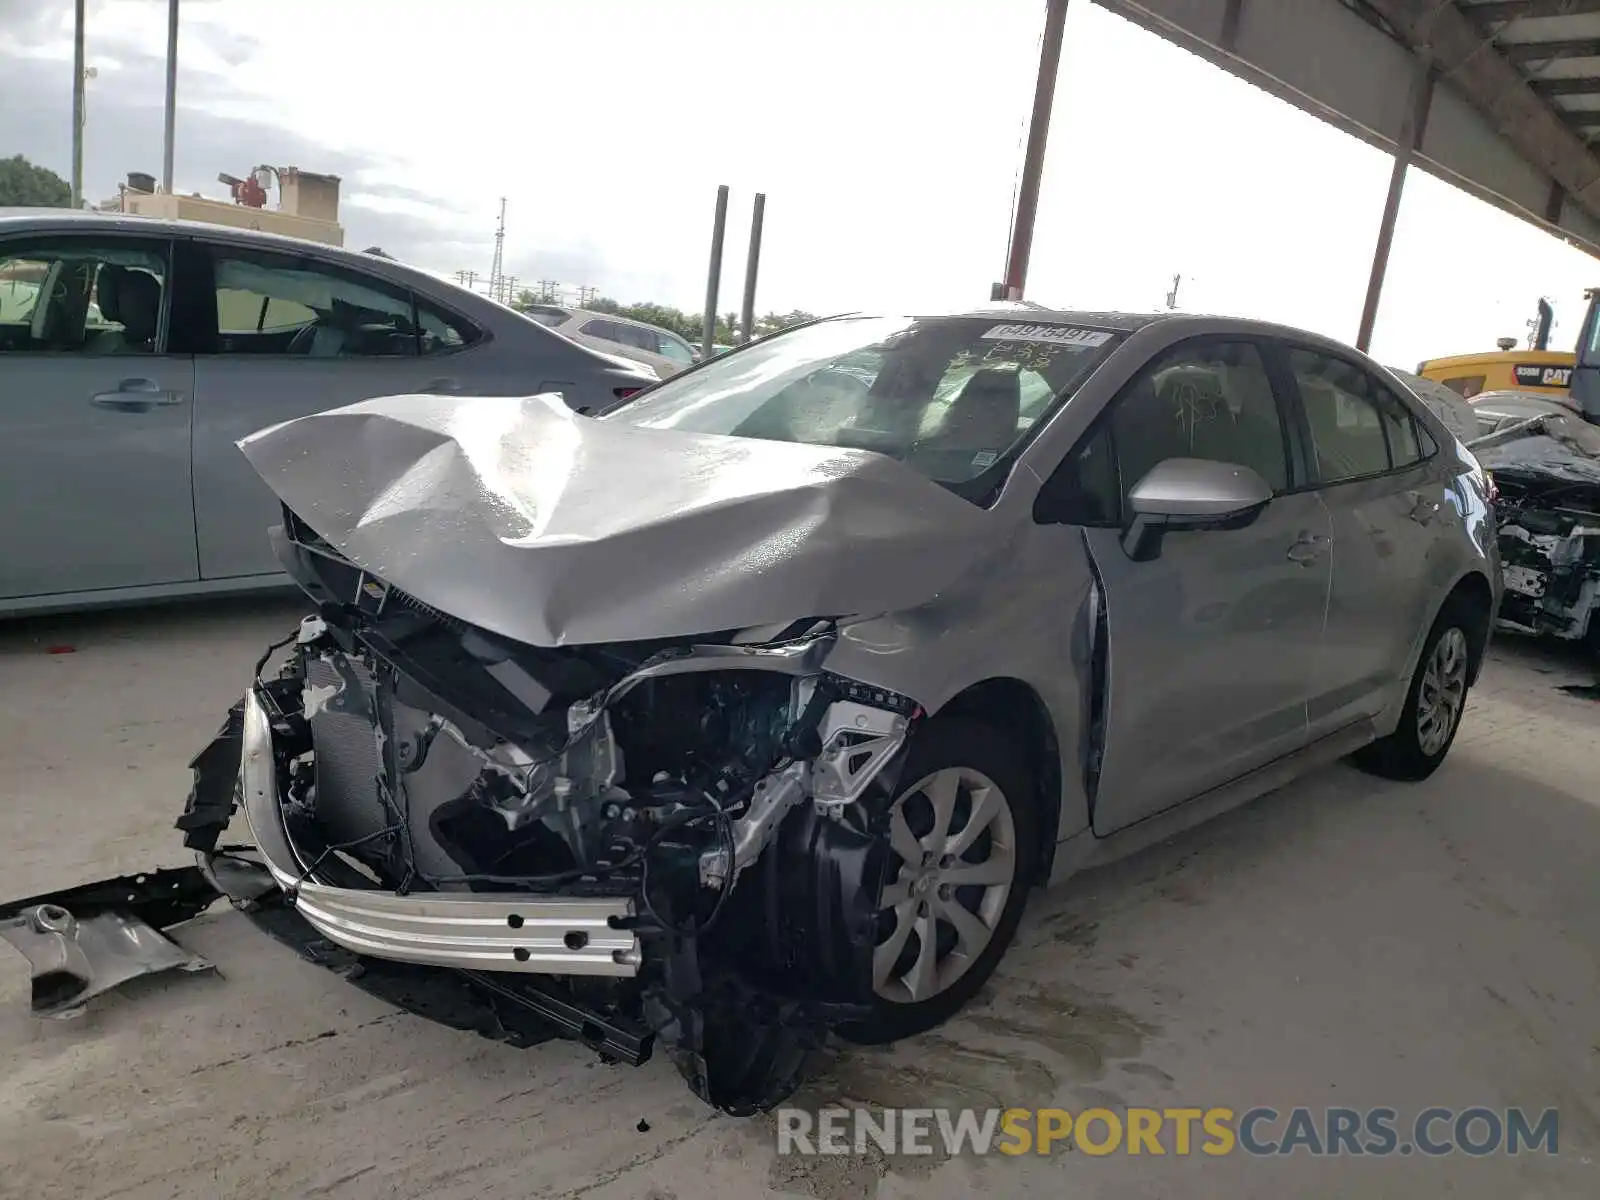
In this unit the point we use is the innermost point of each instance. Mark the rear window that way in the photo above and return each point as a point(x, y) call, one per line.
point(547, 316)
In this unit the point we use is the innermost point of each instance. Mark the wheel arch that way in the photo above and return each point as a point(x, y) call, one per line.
point(1016, 707)
point(1473, 593)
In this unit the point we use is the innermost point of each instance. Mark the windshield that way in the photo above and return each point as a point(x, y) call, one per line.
point(952, 397)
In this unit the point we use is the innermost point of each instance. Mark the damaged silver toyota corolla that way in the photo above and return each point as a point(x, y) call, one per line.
point(754, 707)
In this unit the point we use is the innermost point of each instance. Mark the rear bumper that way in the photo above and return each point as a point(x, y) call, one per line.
point(477, 931)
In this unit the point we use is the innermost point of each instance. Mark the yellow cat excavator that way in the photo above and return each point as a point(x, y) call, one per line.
point(1536, 370)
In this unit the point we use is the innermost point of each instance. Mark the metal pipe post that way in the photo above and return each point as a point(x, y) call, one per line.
point(78, 69)
point(747, 321)
point(172, 95)
point(719, 226)
point(1411, 132)
point(1044, 94)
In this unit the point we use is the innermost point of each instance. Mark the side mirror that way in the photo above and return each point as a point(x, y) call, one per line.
point(1191, 493)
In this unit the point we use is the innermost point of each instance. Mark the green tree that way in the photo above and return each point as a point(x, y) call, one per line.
point(25, 184)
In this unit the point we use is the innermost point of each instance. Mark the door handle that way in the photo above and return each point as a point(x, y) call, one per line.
point(136, 395)
point(1422, 509)
point(1309, 548)
point(445, 385)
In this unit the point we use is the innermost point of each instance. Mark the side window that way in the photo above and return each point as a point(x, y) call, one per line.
point(72, 295)
point(672, 348)
point(638, 337)
point(1084, 490)
point(442, 332)
point(270, 303)
point(1204, 399)
point(1399, 426)
point(606, 330)
point(1348, 437)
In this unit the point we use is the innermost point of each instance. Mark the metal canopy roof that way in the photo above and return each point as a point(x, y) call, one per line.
point(1515, 113)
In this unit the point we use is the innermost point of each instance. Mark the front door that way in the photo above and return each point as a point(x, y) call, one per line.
point(94, 419)
point(1212, 643)
point(282, 336)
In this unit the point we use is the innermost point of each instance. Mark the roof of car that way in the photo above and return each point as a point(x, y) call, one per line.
point(36, 218)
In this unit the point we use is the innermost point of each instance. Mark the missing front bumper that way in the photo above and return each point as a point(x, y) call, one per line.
point(476, 931)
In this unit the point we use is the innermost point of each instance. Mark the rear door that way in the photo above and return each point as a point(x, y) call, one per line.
point(1378, 473)
point(281, 335)
point(94, 418)
point(1212, 642)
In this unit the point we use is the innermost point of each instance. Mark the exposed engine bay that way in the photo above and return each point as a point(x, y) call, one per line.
point(1545, 463)
point(680, 840)
point(1550, 548)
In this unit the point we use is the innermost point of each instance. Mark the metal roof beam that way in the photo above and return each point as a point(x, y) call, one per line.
point(1587, 86)
point(1530, 52)
point(1441, 33)
point(1517, 10)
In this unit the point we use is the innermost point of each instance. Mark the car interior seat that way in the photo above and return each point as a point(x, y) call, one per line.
point(980, 425)
point(138, 304)
point(318, 340)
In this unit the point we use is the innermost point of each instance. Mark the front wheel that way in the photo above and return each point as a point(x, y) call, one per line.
point(963, 839)
point(1433, 706)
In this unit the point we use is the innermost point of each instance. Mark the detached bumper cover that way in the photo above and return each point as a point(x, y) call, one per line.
point(476, 931)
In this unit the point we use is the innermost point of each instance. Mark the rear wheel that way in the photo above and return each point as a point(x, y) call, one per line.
point(963, 836)
point(1434, 702)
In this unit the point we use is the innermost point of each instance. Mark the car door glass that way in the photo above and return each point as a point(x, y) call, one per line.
point(1083, 490)
point(302, 307)
point(671, 347)
point(443, 332)
point(81, 296)
point(606, 331)
point(1348, 440)
point(1210, 400)
point(1399, 426)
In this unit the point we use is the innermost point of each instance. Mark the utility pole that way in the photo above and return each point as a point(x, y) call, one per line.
point(1044, 94)
point(172, 97)
point(719, 225)
point(78, 80)
point(752, 263)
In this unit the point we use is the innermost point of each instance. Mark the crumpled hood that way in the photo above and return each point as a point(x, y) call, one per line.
point(518, 515)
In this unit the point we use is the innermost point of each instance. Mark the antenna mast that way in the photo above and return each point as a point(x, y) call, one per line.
point(497, 283)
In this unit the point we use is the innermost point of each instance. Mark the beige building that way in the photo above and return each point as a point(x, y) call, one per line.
point(308, 204)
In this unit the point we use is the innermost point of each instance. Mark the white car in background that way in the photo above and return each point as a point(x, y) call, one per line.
point(659, 349)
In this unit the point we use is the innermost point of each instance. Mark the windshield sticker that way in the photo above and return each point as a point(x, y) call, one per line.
point(984, 458)
point(1057, 335)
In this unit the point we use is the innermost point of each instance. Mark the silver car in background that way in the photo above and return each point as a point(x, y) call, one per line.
point(135, 353)
point(663, 351)
point(756, 705)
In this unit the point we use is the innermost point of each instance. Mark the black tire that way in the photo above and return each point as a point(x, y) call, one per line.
point(962, 742)
point(1402, 755)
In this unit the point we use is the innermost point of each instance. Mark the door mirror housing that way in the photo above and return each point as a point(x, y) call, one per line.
point(1188, 494)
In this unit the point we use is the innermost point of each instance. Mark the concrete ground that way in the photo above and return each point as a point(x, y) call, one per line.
point(1343, 942)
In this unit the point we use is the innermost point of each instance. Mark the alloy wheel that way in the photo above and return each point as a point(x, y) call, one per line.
point(1443, 692)
point(953, 835)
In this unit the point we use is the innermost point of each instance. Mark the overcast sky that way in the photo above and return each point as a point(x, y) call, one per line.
point(887, 135)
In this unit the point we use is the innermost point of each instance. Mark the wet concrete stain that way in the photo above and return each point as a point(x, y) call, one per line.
point(1071, 929)
point(1045, 1045)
